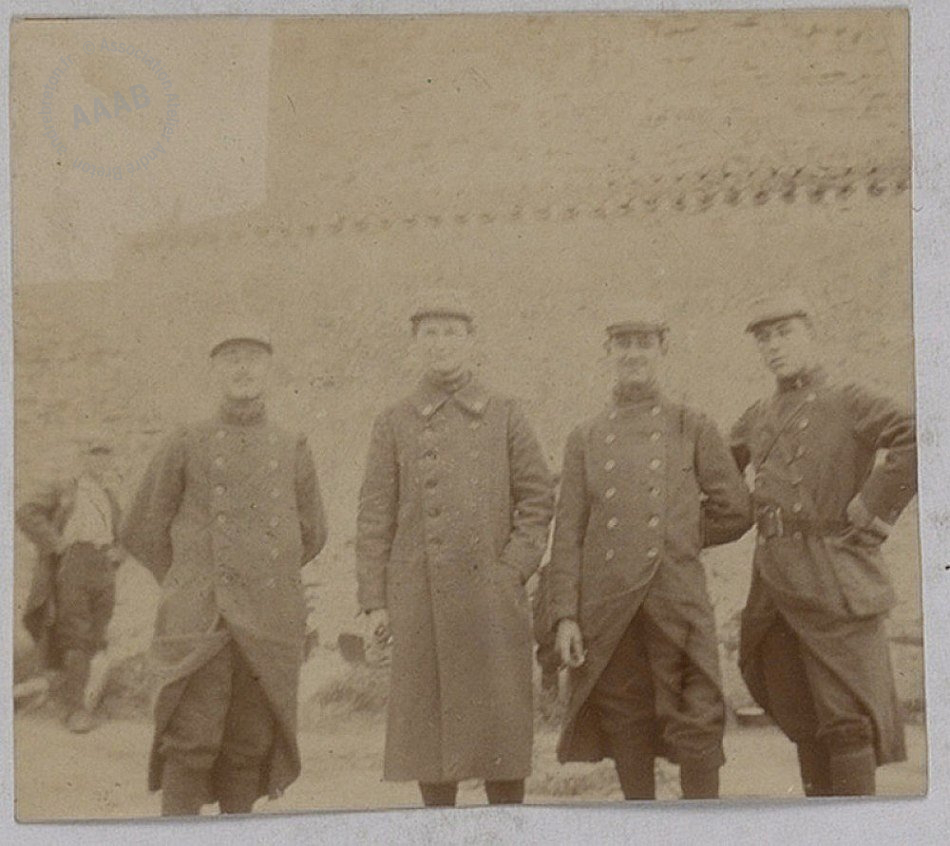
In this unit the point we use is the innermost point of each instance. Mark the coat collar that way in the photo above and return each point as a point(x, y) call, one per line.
point(429, 397)
point(806, 379)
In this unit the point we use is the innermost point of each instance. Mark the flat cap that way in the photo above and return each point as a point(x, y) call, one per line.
point(240, 328)
point(442, 302)
point(635, 315)
point(778, 306)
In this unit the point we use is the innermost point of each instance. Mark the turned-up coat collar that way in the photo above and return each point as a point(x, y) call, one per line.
point(429, 397)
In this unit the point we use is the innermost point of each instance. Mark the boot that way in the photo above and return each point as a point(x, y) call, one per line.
point(699, 781)
point(439, 794)
point(814, 766)
point(75, 673)
point(184, 790)
point(238, 790)
point(508, 792)
point(853, 772)
point(634, 765)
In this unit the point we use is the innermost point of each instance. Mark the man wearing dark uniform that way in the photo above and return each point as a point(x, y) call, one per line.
point(813, 647)
point(453, 520)
point(646, 485)
point(228, 512)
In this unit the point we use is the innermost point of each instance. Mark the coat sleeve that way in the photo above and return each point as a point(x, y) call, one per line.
point(376, 515)
point(739, 437)
point(882, 425)
point(35, 518)
point(313, 524)
point(532, 497)
point(727, 504)
point(570, 528)
point(146, 530)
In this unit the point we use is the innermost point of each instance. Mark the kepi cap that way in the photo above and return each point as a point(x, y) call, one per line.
point(240, 328)
point(635, 315)
point(778, 306)
point(442, 302)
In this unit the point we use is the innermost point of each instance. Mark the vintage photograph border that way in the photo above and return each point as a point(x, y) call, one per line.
point(921, 821)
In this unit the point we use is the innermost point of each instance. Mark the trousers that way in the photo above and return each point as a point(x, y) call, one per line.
point(442, 794)
point(650, 700)
point(818, 713)
point(85, 600)
point(220, 734)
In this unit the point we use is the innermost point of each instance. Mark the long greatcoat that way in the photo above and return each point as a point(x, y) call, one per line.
point(227, 513)
point(453, 519)
point(42, 518)
point(813, 446)
point(645, 486)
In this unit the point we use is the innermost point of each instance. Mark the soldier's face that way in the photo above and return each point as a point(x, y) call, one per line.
point(787, 346)
point(444, 344)
point(636, 356)
point(242, 369)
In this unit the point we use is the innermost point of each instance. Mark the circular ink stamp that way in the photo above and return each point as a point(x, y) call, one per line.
point(109, 109)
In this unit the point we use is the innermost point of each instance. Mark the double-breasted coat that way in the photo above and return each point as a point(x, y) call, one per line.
point(645, 486)
point(227, 513)
point(42, 518)
point(813, 446)
point(453, 519)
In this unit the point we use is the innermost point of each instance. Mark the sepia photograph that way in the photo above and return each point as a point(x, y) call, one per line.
point(418, 411)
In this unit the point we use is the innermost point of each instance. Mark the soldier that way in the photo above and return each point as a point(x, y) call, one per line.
point(813, 649)
point(453, 519)
point(646, 484)
point(72, 595)
point(228, 512)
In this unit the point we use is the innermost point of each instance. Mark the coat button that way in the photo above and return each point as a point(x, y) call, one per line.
point(474, 424)
point(653, 522)
point(655, 411)
point(274, 522)
point(797, 507)
point(219, 489)
point(655, 463)
point(609, 555)
point(219, 462)
point(274, 493)
point(797, 535)
point(803, 423)
point(219, 434)
point(654, 492)
point(654, 436)
point(272, 464)
point(479, 406)
point(609, 464)
point(435, 511)
point(612, 415)
point(652, 552)
point(612, 523)
point(431, 483)
point(812, 396)
point(611, 437)
point(427, 410)
point(610, 493)
point(430, 454)
point(222, 519)
point(274, 553)
point(800, 451)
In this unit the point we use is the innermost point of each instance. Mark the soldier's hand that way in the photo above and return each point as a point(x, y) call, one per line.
point(377, 626)
point(570, 643)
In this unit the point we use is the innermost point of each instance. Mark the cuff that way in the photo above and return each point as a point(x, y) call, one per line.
point(863, 518)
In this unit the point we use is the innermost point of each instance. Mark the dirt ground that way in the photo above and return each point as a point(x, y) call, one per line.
point(101, 775)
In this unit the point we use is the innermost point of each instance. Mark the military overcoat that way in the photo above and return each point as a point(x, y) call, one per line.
point(227, 513)
point(645, 486)
point(453, 519)
point(813, 446)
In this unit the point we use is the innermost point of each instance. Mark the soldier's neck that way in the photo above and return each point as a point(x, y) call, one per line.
point(241, 412)
point(631, 393)
point(450, 382)
point(806, 377)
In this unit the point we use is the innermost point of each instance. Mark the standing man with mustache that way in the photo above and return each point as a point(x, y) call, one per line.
point(646, 485)
point(453, 520)
point(228, 512)
point(813, 646)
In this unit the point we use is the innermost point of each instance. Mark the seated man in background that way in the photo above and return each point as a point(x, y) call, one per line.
point(72, 596)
